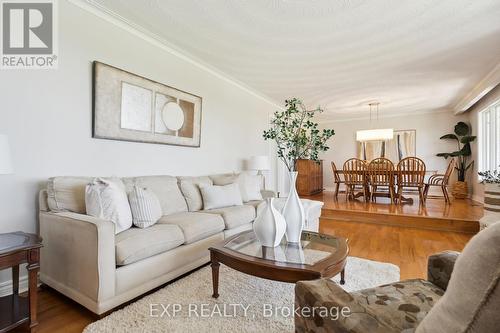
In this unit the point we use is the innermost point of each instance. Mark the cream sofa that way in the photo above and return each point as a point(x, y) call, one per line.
point(84, 259)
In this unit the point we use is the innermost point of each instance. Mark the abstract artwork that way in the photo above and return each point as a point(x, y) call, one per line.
point(402, 145)
point(132, 108)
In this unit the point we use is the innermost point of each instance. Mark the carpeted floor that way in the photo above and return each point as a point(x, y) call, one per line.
point(246, 303)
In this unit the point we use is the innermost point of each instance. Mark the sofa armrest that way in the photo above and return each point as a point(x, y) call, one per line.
point(267, 194)
point(78, 257)
point(323, 306)
point(440, 266)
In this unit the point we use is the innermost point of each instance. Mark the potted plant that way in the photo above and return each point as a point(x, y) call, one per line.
point(297, 137)
point(462, 154)
point(491, 181)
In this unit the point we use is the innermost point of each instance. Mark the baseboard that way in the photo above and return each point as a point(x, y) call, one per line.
point(6, 287)
point(478, 198)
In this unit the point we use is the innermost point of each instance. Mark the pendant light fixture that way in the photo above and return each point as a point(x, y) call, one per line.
point(374, 134)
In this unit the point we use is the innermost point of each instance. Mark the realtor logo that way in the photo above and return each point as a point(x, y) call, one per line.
point(28, 34)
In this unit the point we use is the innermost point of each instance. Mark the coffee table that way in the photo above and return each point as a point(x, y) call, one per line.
point(316, 256)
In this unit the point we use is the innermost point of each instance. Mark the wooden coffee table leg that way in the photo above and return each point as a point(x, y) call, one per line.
point(215, 275)
point(342, 276)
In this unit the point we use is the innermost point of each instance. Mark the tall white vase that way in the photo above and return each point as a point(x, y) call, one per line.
point(293, 211)
point(269, 227)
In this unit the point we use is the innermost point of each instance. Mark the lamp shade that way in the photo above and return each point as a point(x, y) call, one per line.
point(5, 161)
point(259, 163)
point(375, 134)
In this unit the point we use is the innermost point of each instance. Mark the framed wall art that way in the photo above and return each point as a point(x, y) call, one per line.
point(402, 145)
point(129, 107)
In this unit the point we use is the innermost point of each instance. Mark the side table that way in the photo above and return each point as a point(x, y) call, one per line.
point(17, 248)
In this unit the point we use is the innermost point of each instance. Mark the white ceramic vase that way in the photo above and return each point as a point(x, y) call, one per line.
point(269, 227)
point(293, 211)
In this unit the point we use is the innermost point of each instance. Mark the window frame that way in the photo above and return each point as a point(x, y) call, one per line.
point(489, 137)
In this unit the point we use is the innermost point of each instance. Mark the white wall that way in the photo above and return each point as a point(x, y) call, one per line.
point(47, 116)
point(429, 127)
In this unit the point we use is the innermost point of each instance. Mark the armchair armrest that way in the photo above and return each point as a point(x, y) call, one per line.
point(267, 194)
point(78, 257)
point(323, 306)
point(440, 266)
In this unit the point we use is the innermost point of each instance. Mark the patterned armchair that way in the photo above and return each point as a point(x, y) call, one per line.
point(470, 303)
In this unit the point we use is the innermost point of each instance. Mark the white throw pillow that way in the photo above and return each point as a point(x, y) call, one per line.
point(145, 207)
point(221, 196)
point(250, 186)
point(106, 199)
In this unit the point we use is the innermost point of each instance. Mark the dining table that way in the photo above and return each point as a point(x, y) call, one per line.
point(396, 173)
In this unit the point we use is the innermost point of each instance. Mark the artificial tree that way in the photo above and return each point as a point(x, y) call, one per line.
point(462, 136)
point(296, 135)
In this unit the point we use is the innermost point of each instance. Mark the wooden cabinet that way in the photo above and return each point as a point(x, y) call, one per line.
point(310, 178)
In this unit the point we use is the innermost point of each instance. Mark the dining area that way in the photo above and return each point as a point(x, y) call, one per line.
point(382, 177)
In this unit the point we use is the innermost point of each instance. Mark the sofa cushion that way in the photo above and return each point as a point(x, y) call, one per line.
point(145, 207)
point(135, 244)
point(194, 225)
point(395, 307)
point(190, 187)
point(224, 179)
point(221, 196)
point(235, 216)
point(250, 186)
point(472, 298)
point(67, 194)
point(166, 189)
point(255, 204)
point(106, 199)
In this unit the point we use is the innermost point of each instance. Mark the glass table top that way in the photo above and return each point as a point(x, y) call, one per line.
point(312, 249)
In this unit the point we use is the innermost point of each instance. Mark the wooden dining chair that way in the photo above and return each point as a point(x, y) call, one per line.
point(355, 177)
point(440, 180)
point(381, 174)
point(411, 173)
point(336, 179)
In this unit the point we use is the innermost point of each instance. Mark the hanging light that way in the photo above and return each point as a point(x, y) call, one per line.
point(374, 134)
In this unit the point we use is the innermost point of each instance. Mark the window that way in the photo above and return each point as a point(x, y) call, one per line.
point(489, 138)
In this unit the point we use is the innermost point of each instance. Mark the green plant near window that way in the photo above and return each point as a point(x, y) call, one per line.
point(462, 154)
point(296, 135)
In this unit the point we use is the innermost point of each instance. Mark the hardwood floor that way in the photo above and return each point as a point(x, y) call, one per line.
point(460, 216)
point(406, 247)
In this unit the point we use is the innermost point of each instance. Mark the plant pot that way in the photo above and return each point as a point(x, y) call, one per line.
point(269, 227)
point(293, 211)
point(460, 190)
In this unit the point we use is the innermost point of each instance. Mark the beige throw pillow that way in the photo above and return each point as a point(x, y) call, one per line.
point(250, 186)
point(220, 196)
point(106, 199)
point(145, 207)
point(471, 302)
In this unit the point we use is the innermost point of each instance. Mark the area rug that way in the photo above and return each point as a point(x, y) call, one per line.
point(245, 304)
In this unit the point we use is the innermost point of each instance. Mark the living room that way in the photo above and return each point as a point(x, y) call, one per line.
point(217, 165)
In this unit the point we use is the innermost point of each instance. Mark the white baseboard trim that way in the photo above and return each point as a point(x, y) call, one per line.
point(6, 287)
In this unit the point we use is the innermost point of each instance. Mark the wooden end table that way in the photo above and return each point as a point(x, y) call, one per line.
point(17, 248)
point(316, 256)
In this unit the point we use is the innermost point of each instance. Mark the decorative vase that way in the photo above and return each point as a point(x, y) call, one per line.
point(293, 212)
point(491, 205)
point(459, 190)
point(269, 227)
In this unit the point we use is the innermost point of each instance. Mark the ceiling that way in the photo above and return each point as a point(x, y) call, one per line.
point(411, 56)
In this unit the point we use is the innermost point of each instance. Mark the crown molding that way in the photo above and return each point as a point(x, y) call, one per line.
point(139, 31)
point(333, 119)
point(490, 81)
